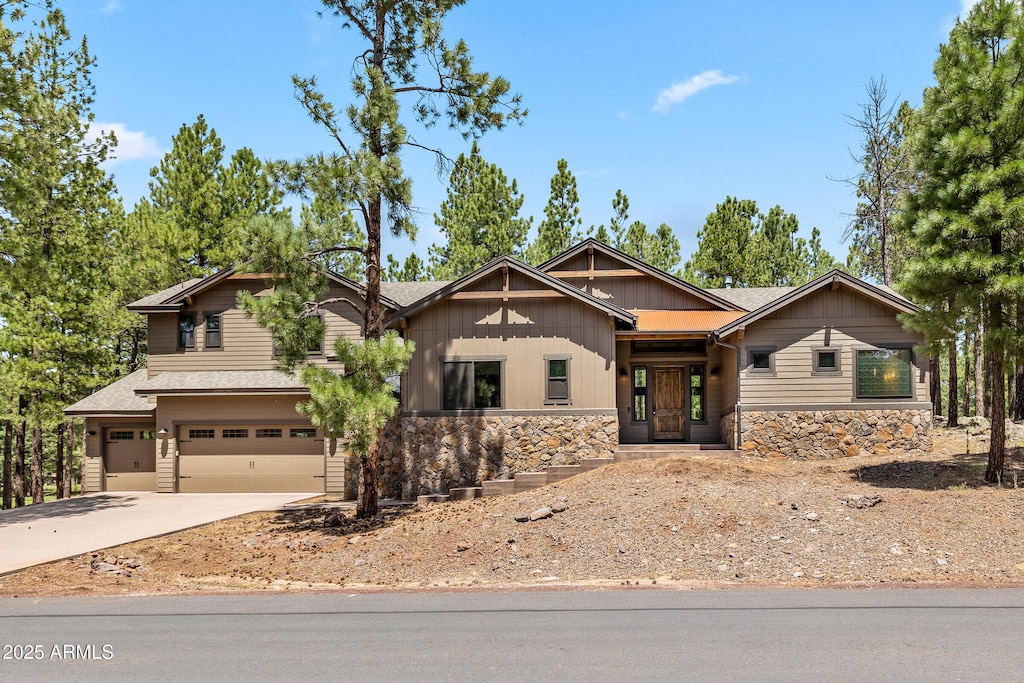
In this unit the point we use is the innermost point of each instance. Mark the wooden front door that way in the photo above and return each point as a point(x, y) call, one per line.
point(669, 404)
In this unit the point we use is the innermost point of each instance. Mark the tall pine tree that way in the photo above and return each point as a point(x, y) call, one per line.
point(966, 217)
point(560, 228)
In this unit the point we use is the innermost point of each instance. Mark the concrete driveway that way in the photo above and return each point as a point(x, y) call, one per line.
point(52, 531)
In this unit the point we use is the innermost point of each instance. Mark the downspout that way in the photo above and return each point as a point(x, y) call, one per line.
point(736, 408)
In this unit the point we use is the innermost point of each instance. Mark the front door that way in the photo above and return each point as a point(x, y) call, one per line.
point(669, 405)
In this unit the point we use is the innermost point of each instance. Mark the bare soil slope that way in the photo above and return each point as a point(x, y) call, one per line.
point(700, 521)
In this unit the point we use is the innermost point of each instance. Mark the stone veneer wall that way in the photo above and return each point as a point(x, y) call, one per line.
point(826, 434)
point(431, 454)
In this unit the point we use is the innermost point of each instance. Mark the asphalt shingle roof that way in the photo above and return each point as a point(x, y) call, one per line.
point(163, 295)
point(222, 381)
point(407, 293)
point(119, 397)
point(751, 298)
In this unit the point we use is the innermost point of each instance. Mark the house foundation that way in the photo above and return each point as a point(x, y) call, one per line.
point(431, 454)
point(828, 434)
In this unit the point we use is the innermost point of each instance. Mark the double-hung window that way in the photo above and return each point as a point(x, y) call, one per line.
point(187, 331)
point(557, 385)
point(212, 337)
point(471, 385)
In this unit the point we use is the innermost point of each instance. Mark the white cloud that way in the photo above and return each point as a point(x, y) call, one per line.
point(111, 7)
point(966, 6)
point(131, 144)
point(691, 86)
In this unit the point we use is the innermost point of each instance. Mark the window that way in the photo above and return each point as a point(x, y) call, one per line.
point(121, 435)
point(761, 359)
point(302, 433)
point(200, 433)
point(471, 385)
point(234, 433)
point(884, 373)
point(558, 380)
point(640, 394)
point(147, 435)
point(826, 360)
point(187, 331)
point(697, 393)
point(268, 433)
point(212, 338)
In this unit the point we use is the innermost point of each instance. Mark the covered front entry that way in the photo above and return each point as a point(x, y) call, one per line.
point(247, 458)
point(129, 458)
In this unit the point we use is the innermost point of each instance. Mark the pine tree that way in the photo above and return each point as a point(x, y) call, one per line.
point(411, 270)
point(965, 216)
point(560, 228)
point(401, 44)
point(480, 218)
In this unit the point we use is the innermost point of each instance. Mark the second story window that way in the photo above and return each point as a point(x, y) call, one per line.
point(212, 337)
point(187, 331)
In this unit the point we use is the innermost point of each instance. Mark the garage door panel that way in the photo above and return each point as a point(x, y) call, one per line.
point(129, 459)
point(250, 473)
point(232, 458)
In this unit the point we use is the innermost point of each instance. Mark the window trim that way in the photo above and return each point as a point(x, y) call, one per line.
point(884, 347)
point(178, 331)
point(220, 330)
point(770, 350)
point(560, 401)
point(269, 433)
point(473, 360)
point(816, 368)
point(633, 394)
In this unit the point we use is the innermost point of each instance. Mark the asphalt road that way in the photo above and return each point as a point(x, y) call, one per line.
point(736, 635)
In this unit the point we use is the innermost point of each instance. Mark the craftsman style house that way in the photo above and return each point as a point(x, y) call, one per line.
point(516, 369)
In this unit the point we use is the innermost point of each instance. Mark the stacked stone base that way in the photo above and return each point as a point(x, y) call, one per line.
point(432, 454)
point(828, 434)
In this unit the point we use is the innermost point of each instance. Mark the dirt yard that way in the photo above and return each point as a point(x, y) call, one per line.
point(704, 521)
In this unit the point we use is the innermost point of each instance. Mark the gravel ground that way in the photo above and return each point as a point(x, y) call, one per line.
point(698, 521)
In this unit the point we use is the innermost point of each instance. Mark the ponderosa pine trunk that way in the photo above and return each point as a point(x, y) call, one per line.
point(8, 478)
point(967, 402)
point(935, 384)
point(59, 469)
point(19, 457)
point(997, 439)
point(1018, 392)
point(69, 456)
point(979, 373)
point(37, 465)
point(952, 417)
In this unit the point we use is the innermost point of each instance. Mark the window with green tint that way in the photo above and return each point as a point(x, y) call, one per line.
point(640, 394)
point(697, 393)
point(884, 373)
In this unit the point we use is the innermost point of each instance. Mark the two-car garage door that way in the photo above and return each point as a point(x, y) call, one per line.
point(233, 458)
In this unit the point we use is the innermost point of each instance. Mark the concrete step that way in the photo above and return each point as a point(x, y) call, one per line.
point(587, 464)
point(526, 481)
point(466, 492)
point(560, 472)
point(433, 498)
point(498, 487)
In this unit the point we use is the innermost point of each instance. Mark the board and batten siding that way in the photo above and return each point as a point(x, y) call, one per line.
point(244, 344)
point(520, 332)
point(631, 293)
point(841, 320)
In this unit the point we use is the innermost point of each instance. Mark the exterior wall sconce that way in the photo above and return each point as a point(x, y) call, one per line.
point(622, 372)
point(162, 434)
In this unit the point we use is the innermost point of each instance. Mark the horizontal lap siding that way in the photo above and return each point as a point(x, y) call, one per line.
point(850, 322)
point(522, 331)
point(245, 345)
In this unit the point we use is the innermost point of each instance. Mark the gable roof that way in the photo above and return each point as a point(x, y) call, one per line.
point(406, 293)
point(751, 298)
point(508, 261)
point(173, 298)
point(667, 278)
point(884, 296)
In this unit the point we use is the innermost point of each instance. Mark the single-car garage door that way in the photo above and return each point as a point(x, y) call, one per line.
point(129, 459)
point(250, 459)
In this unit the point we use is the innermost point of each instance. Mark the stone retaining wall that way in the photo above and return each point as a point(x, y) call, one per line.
point(827, 434)
point(433, 454)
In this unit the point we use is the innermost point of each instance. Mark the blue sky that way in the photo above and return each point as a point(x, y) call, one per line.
point(679, 104)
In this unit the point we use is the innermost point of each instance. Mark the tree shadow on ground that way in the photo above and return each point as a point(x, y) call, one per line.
point(291, 521)
point(958, 471)
point(68, 507)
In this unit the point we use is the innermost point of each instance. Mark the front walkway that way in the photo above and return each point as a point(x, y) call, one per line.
point(36, 534)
